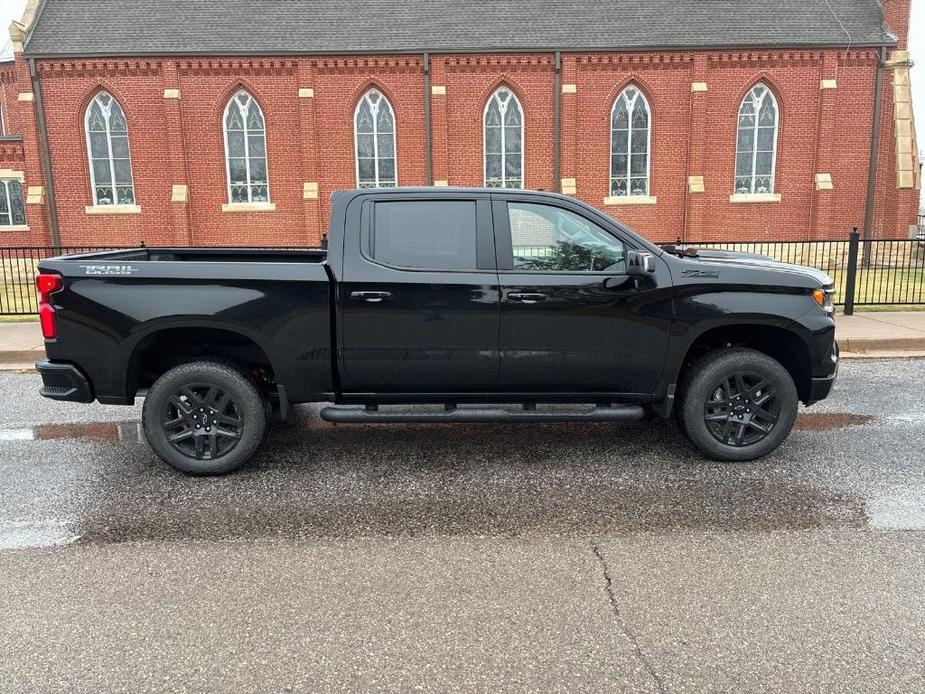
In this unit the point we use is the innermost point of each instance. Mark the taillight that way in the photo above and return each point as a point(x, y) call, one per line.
point(47, 284)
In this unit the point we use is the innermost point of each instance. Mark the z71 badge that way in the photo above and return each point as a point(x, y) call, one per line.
point(703, 274)
point(109, 270)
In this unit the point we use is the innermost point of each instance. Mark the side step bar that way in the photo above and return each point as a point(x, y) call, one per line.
point(355, 415)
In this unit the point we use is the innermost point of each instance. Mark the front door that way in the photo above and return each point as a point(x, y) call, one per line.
point(572, 320)
point(419, 298)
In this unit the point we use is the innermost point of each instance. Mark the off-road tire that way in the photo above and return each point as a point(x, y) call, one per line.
point(248, 409)
point(699, 389)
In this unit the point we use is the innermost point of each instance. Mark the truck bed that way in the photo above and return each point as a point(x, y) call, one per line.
point(134, 303)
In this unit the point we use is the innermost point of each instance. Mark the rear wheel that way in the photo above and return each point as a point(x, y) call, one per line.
point(204, 418)
point(737, 404)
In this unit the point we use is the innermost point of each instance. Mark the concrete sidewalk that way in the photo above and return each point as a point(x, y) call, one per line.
point(893, 333)
point(875, 333)
point(21, 344)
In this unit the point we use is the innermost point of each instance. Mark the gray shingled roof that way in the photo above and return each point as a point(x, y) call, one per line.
point(223, 27)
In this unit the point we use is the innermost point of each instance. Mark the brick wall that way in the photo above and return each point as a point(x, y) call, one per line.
point(309, 105)
point(9, 90)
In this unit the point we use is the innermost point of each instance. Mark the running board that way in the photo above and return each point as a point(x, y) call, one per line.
point(355, 415)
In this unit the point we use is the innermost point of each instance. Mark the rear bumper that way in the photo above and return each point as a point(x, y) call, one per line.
point(63, 381)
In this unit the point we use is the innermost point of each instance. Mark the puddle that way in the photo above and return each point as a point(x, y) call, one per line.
point(113, 432)
point(827, 421)
point(132, 432)
point(35, 535)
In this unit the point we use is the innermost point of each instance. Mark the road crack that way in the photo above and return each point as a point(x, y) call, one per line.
point(624, 627)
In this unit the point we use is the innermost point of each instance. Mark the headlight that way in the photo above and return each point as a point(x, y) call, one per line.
point(825, 298)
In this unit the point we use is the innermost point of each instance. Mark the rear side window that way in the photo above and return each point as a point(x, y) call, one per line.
point(426, 234)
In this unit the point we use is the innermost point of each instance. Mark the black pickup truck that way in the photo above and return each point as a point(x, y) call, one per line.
point(474, 305)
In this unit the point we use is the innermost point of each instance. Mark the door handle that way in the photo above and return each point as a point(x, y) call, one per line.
point(527, 297)
point(371, 297)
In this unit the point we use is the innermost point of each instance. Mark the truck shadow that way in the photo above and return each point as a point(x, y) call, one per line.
point(315, 480)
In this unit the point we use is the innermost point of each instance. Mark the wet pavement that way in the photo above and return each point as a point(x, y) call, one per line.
point(519, 557)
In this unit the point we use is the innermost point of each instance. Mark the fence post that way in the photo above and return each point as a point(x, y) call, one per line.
point(851, 281)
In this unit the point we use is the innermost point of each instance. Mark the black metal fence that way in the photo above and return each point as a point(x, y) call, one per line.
point(881, 272)
point(18, 268)
point(886, 272)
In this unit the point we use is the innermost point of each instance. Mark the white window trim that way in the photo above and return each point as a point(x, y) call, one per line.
point(233, 101)
point(112, 163)
point(768, 93)
point(112, 209)
point(356, 135)
point(629, 149)
point(2, 121)
point(523, 145)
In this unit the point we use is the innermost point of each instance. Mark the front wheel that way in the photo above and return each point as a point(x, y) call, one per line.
point(204, 418)
point(737, 404)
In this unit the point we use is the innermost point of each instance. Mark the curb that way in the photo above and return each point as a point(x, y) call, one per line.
point(858, 345)
point(25, 356)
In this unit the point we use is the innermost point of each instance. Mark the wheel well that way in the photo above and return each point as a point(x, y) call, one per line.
point(778, 343)
point(158, 353)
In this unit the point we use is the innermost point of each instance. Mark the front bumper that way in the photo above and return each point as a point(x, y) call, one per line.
point(821, 387)
point(63, 381)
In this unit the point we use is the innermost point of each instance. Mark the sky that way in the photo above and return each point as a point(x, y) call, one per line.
point(12, 10)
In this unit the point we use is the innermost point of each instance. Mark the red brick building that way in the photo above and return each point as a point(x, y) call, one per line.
point(199, 122)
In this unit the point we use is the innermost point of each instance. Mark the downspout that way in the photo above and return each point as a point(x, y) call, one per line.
point(874, 158)
point(46, 156)
point(556, 121)
point(428, 146)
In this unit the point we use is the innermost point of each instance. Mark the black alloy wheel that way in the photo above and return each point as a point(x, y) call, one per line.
point(742, 409)
point(203, 421)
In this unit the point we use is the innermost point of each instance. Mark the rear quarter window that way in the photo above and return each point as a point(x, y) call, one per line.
point(425, 234)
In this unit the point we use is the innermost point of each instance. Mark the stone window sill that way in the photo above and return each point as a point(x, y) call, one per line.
point(113, 209)
point(754, 197)
point(631, 200)
point(249, 207)
point(14, 227)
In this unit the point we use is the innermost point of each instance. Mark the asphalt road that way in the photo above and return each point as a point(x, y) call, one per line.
point(528, 557)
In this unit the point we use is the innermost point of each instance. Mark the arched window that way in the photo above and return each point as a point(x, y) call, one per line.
point(12, 210)
point(374, 131)
point(756, 142)
point(504, 141)
point(246, 150)
point(630, 126)
point(107, 146)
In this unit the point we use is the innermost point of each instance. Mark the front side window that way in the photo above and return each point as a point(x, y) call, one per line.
point(12, 210)
point(629, 144)
point(374, 131)
point(504, 141)
point(438, 234)
point(110, 159)
point(552, 239)
point(756, 142)
point(246, 150)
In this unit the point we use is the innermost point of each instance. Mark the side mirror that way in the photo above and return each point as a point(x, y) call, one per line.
point(639, 263)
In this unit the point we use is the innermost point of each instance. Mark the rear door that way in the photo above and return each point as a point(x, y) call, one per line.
point(571, 318)
point(419, 298)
